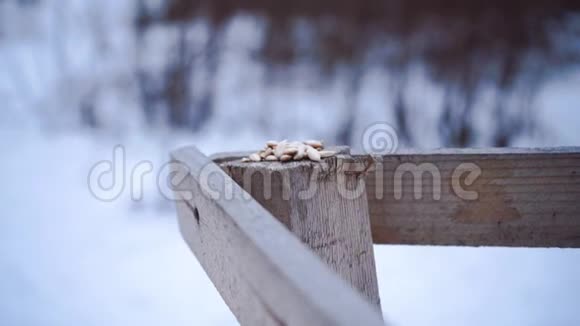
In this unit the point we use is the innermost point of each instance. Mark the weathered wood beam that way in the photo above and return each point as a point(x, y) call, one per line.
point(487, 197)
point(263, 272)
point(312, 200)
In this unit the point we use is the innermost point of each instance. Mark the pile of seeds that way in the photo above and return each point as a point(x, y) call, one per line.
point(285, 151)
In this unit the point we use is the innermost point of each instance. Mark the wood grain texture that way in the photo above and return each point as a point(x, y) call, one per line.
point(262, 271)
point(336, 228)
point(526, 198)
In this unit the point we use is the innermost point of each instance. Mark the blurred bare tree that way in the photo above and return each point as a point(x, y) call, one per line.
point(465, 45)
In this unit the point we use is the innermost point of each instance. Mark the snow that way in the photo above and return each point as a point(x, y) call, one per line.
point(479, 286)
point(67, 258)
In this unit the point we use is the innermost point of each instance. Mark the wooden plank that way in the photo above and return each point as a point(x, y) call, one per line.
point(335, 227)
point(262, 271)
point(525, 198)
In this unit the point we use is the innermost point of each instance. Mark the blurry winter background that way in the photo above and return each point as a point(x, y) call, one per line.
point(78, 77)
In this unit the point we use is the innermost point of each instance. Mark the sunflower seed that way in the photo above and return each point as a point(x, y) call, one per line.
point(290, 151)
point(272, 143)
point(285, 158)
point(255, 157)
point(301, 152)
point(314, 143)
point(279, 150)
point(267, 152)
point(313, 154)
point(325, 154)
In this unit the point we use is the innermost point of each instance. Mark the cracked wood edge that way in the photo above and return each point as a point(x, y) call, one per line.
point(262, 271)
point(526, 198)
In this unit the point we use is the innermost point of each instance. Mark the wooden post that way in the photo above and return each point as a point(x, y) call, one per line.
point(268, 275)
point(325, 205)
point(264, 273)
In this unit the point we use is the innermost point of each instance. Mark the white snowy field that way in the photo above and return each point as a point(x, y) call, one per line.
point(67, 258)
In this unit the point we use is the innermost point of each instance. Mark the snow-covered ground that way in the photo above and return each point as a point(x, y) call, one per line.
point(67, 258)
